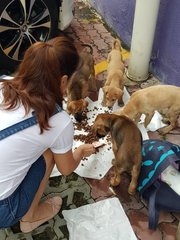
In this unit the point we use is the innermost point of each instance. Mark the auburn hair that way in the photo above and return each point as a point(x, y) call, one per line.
point(36, 84)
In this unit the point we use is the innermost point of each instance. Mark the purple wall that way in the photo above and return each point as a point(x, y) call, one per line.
point(118, 14)
point(165, 60)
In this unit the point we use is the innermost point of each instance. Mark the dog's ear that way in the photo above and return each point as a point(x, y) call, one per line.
point(119, 93)
point(71, 108)
point(80, 105)
point(77, 106)
point(85, 103)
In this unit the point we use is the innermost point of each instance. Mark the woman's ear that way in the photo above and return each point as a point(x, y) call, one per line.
point(63, 83)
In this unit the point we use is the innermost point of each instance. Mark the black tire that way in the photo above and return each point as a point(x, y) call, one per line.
point(19, 28)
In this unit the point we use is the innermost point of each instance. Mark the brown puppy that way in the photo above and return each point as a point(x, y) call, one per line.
point(77, 106)
point(113, 88)
point(81, 82)
point(126, 145)
point(163, 98)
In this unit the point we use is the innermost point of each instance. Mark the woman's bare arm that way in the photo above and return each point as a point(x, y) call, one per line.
point(67, 162)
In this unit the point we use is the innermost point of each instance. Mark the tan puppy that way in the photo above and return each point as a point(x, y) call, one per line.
point(113, 88)
point(82, 81)
point(163, 98)
point(126, 145)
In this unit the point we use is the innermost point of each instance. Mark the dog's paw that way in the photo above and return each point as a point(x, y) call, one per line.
point(113, 162)
point(115, 181)
point(164, 130)
point(132, 189)
point(131, 192)
point(166, 121)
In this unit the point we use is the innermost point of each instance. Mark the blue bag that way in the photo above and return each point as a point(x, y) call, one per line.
point(157, 156)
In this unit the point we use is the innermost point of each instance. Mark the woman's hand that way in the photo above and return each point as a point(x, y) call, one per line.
point(84, 150)
point(68, 162)
point(87, 150)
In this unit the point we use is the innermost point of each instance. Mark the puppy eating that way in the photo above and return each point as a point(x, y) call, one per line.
point(163, 98)
point(81, 82)
point(113, 88)
point(126, 145)
point(76, 108)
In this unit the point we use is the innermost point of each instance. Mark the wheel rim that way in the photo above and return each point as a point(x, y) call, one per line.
point(22, 23)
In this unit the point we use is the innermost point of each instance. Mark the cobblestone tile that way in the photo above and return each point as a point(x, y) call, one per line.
point(101, 45)
point(85, 39)
point(150, 82)
point(139, 221)
point(101, 29)
point(74, 191)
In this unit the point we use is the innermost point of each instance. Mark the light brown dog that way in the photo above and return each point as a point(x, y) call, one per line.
point(126, 145)
point(81, 82)
point(163, 98)
point(113, 88)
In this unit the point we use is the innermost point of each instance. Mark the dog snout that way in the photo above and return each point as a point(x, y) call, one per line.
point(79, 116)
point(99, 132)
point(100, 135)
point(109, 107)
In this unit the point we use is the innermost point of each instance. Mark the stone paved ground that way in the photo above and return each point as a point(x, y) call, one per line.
point(88, 27)
point(75, 192)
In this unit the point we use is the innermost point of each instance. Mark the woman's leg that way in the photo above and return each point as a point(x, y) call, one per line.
point(41, 210)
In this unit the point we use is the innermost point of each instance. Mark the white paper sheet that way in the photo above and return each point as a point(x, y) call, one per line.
point(103, 220)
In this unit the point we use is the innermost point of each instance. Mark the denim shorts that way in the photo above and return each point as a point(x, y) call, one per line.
point(14, 207)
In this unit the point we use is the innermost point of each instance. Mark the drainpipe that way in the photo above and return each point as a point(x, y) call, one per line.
point(145, 18)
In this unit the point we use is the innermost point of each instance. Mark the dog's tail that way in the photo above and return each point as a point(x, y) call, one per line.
point(88, 46)
point(116, 44)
